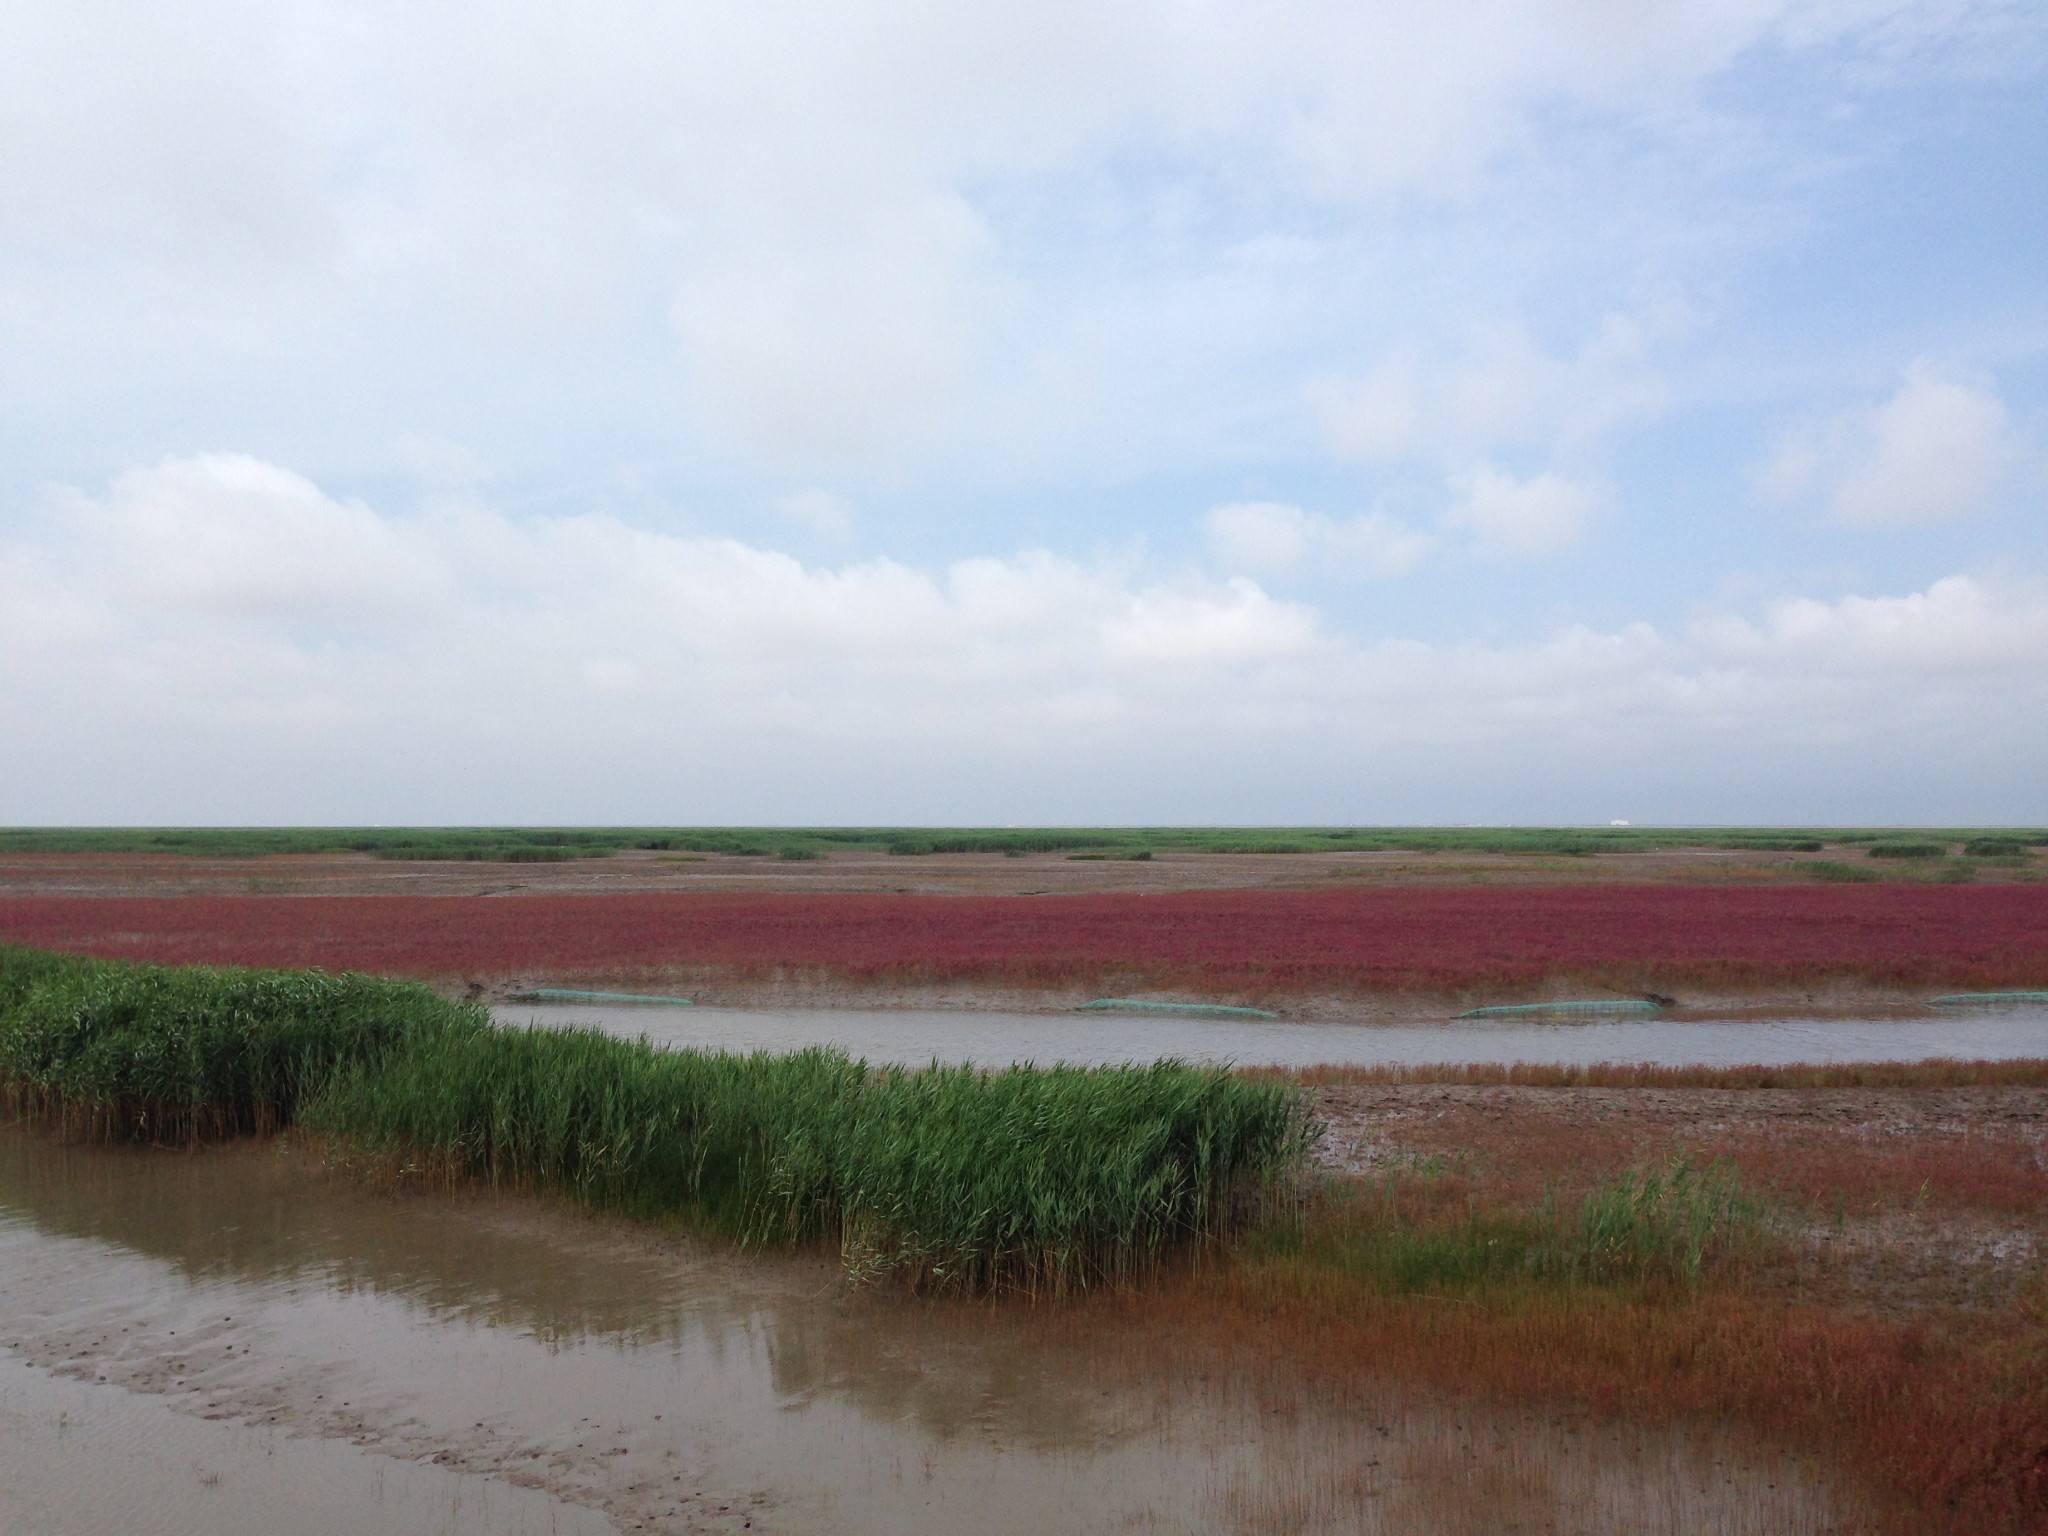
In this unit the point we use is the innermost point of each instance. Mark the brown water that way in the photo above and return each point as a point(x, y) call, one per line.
point(229, 1342)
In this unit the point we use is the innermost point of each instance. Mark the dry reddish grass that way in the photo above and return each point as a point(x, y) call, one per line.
point(1945, 1419)
point(1940, 1144)
point(1902, 1344)
point(1986, 1174)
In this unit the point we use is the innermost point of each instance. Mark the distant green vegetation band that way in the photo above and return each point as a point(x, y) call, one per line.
point(551, 844)
point(1026, 1179)
point(1990, 999)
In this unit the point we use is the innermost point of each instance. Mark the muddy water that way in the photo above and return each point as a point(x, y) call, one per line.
point(996, 1039)
point(230, 1342)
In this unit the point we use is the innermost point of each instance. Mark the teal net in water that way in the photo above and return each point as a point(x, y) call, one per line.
point(571, 995)
point(1990, 1000)
point(1592, 1009)
point(1188, 1010)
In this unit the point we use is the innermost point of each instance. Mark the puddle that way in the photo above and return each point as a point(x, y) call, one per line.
point(997, 1039)
point(474, 1363)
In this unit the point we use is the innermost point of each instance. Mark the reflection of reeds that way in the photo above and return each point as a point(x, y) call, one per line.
point(1039, 1180)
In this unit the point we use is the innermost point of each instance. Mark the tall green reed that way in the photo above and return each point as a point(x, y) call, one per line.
point(1664, 1221)
point(180, 1053)
point(1029, 1179)
point(1038, 1180)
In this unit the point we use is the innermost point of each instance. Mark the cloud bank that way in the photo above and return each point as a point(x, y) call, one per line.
point(274, 653)
point(888, 410)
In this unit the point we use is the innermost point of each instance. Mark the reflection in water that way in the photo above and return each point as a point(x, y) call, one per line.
point(678, 1386)
point(997, 1039)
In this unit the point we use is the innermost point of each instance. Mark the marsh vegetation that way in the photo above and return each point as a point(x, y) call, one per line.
point(1845, 1259)
point(1040, 1180)
point(552, 844)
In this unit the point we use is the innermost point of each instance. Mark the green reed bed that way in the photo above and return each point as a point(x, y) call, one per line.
point(189, 1052)
point(1027, 1179)
point(1030, 1179)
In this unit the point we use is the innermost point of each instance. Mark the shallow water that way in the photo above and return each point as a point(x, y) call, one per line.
point(229, 1341)
point(997, 1039)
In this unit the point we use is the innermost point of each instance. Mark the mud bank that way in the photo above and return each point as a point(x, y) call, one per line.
point(555, 1366)
point(797, 991)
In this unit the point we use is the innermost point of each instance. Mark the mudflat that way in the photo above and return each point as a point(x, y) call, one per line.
point(501, 1353)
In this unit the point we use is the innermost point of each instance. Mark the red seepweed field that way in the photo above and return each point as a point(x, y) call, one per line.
point(1386, 939)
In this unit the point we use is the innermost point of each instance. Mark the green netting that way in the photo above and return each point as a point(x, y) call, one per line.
point(1195, 1010)
point(1592, 1008)
point(572, 995)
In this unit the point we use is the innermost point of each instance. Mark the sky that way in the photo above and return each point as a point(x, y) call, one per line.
point(1140, 411)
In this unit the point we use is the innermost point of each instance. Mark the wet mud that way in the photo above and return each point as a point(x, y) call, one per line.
point(212, 1336)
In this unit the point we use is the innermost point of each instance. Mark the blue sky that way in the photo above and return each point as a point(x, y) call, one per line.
point(1131, 412)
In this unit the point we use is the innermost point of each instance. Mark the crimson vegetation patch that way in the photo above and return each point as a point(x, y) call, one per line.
point(1390, 939)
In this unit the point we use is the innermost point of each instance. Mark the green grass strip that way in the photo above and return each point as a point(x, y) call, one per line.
point(1187, 1010)
point(1665, 1223)
point(1989, 1000)
point(1592, 1008)
point(574, 995)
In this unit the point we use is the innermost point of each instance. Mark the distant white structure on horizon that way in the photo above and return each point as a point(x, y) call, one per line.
point(1618, 821)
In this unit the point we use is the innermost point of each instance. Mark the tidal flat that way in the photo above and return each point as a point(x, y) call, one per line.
point(268, 1336)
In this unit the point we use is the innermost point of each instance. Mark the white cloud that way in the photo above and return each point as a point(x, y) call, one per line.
point(821, 354)
point(1272, 538)
point(157, 663)
point(834, 205)
point(1938, 449)
point(1499, 389)
point(231, 536)
point(1508, 517)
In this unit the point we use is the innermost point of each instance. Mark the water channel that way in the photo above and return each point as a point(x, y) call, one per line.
point(997, 1039)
